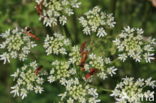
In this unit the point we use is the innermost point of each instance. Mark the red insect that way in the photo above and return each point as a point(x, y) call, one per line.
point(39, 8)
point(83, 45)
point(84, 58)
point(37, 70)
point(32, 35)
point(87, 76)
point(82, 68)
point(28, 32)
point(92, 72)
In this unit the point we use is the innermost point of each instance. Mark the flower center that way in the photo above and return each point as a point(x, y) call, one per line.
point(94, 20)
point(77, 91)
point(132, 44)
point(132, 90)
point(15, 43)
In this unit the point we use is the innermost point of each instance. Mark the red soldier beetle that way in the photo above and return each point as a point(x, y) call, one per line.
point(83, 69)
point(87, 76)
point(92, 72)
point(83, 45)
point(28, 32)
point(37, 70)
point(39, 8)
point(84, 58)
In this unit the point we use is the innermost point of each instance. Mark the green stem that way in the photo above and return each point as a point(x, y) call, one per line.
point(67, 31)
point(113, 6)
point(106, 90)
point(76, 31)
point(113, 10)
point(147, 13)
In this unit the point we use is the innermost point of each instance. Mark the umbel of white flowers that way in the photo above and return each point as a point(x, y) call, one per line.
point(131, 43)
point(56, 44)
point(16, 44)
point(27, 81)
point(56, 12)
point(104, 65)
point(132, 91)
point(96, 21)
point(60, 70)
point(77, 92)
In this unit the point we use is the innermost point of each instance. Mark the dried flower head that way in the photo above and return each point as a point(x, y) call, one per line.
point(131, 43)
point(96, 21)
point(17, 44)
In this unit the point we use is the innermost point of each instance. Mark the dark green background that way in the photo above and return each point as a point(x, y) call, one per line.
point(21, 13)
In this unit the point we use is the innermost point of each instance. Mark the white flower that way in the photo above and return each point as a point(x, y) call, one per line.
point(51, 79)
point(133, 91)
point(38, 89)
point(92, 92)
point(59, 71)
point(26, 81)
point(101, 32)
point(38, 1)
point(63, 20)
point(63, 95)
point(94, 100)
point(102, 75)
point(96, 21)
point(77, 92)
point(70, 100)
point(56, 44)
point(15, 90)
point(151, 83)
point(55, 12)
point(131, 43)
point(29, 87)
point(102, 65)
point(23, 93)
point(87, 30)
point(33, 64)
point(17, 44)
point(122, 57)
point(15, 75)
point(5, 57)
point(148, 57)
point(75, 55)
point(111, 71)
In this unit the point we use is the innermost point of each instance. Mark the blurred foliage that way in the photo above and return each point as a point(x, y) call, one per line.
point(21, 13)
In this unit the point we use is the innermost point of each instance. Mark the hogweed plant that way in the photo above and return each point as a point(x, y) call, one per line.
point(78, 65)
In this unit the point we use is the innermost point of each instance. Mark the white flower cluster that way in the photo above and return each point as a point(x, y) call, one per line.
point(57, 11)
point(133, 91)
point(16, 45)
point(56, 44)
point(101, 64)
point(131, 43)
point(75, 55)
point(77, 92)
point(96, 21)
point(60, 69)
point(27, 81)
